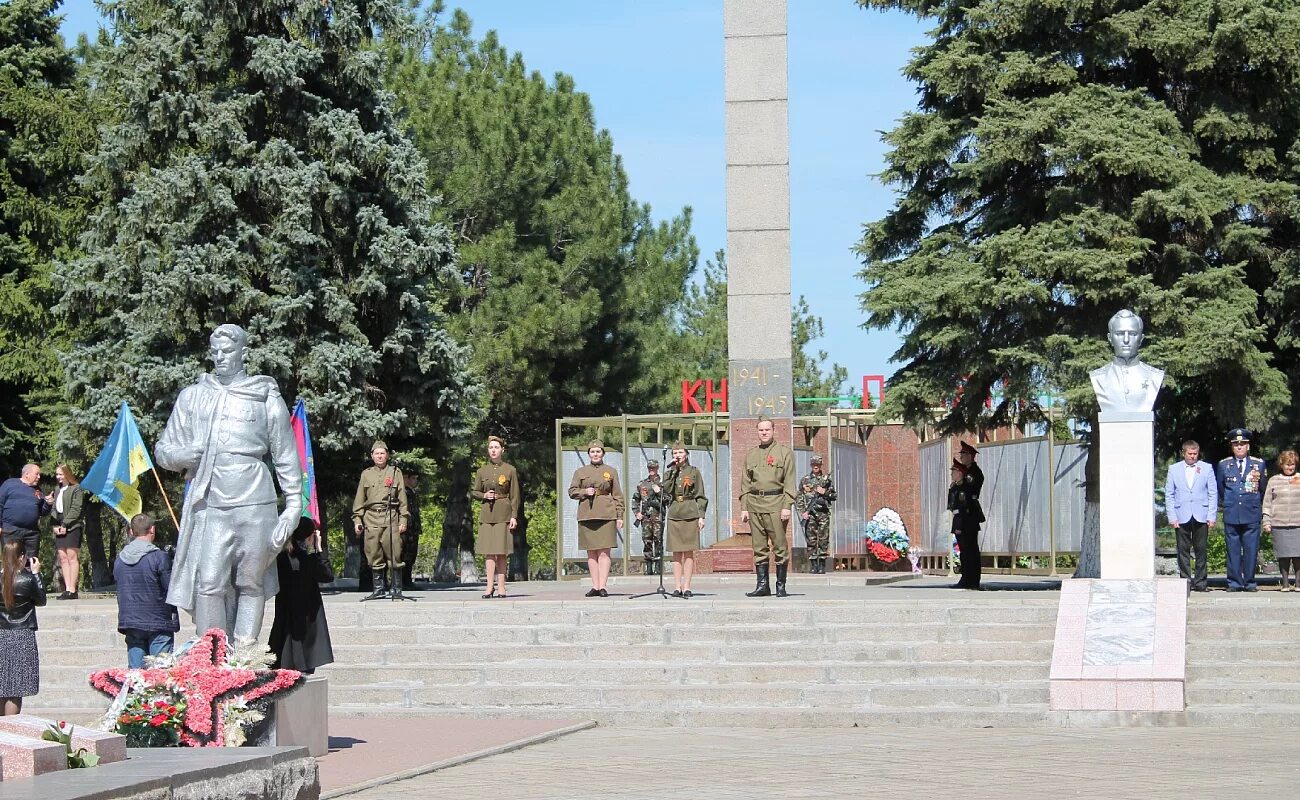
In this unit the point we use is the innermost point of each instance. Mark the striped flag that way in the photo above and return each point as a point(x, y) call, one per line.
point(115, 474)
point(302, 435)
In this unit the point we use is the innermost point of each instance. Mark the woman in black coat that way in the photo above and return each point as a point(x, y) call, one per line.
point(300, 636)
point(21, 591)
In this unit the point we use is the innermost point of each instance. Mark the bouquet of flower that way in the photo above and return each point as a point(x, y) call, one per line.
point(886, 536)
point(205, 695)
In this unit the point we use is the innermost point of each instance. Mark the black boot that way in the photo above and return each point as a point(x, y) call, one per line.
point(381, 587)
point(397, 585)
point(821, 565)
point(780, 580)
point(761, 589)
point(813, 566)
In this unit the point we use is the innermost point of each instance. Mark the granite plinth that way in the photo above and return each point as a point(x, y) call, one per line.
point(22, 756)
point(1120, 646)
point(1128, 534)
point(108, 746)
point(165, 773)
point(302, 718)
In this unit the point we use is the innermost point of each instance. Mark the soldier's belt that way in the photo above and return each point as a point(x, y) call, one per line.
point(680, 498)
point(767, 492)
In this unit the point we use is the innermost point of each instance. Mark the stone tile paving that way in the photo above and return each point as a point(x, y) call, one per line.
point(704, 764)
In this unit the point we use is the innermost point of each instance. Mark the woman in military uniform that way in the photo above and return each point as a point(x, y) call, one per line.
point(685, 517)
point(600, 514)
point(496, 485)
point(966, 518)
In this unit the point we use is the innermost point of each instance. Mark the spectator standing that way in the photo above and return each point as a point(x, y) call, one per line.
point(1242, 480)
point(21, 591)
point(300, 635)
point(1192, 500)
point(1282, 518)
point(68, 503)
point(21, 509)
point(143, 572)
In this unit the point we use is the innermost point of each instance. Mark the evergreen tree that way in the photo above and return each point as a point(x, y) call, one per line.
point(1069, 159)
point(257, 175)
point(44, 134)
point(566, 279)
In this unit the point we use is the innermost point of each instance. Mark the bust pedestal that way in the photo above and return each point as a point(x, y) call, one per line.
point(1127, 477)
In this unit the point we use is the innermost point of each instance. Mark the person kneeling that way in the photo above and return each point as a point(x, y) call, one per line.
point(143, 572)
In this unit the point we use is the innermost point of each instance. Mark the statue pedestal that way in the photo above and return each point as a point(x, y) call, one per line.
point(1128, 549)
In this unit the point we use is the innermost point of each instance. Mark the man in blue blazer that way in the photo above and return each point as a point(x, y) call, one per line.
point(1192, 500)
point(1241, 485)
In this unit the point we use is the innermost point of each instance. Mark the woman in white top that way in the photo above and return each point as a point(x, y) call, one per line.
point(69, 504)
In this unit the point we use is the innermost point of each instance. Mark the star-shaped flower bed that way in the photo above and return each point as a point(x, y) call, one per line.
point(207, 682)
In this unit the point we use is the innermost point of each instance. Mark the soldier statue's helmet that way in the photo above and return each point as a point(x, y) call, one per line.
point(816, 459)
point(1238, 435)
point(652, 464)
point(967, 447)
point(380, 444)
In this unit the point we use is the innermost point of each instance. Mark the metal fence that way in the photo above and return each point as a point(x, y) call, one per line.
point(1027, 513)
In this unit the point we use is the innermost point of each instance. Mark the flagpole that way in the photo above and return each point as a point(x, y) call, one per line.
point(170, 510)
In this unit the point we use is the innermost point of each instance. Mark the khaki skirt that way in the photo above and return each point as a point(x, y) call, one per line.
point(683, 535)
point(494, 539)
point(597, 534)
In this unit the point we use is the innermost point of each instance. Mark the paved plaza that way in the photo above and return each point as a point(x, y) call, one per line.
point(717, 764)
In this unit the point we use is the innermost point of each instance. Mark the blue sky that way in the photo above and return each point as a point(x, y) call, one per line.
point(654, 73)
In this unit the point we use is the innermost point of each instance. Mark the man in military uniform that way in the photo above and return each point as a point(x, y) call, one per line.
point(414, 527)
point(1241, 480)
point(974, 475)
point(816, 493)
point(767, 490)
point(380, 514)
point(648, 504)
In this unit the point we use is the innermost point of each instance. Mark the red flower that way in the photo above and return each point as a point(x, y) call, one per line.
point(158, 721)
point(885, 554)
point(771, 460)
point(388, 482)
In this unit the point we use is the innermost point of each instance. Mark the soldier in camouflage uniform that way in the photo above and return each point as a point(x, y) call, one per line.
point(816, 493)
point(649, 507)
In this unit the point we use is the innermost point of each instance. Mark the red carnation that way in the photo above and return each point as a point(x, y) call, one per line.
point(388, 482)
point(771, 460)
point(158, 721)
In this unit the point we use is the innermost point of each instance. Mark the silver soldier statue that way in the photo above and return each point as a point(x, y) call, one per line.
point(1126, 384)
point(225, 433)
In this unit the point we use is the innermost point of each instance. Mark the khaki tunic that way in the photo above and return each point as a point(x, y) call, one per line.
point(687, 506)
point(767, 486)
point(379, 523)
point(494, 536)
point(597, 516)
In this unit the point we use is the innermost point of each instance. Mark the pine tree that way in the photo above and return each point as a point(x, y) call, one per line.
point(1069, 159)
point(258, 176)
point(566, 278)
point(44, 135)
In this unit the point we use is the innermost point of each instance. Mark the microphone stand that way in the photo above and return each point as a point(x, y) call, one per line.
point(661, 591)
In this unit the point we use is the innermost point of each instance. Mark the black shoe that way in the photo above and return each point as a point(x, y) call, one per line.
point(593, 593)
point(604, 593)
point(1252, 589)
point(490, 595)
point(677, 593)
point(71, 596)
point(64, 596)
point(762, 589)
point(687, 593)
point(780, 580)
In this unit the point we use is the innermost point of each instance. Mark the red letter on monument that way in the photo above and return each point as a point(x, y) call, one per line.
point(720, 396)
point(689, 404)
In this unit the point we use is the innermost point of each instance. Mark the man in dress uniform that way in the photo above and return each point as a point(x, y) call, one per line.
point(414, 527)
point(649, 506)
point(974, 475)
point(380, 514)
point(1241, 479)
point(816, 493)
point(767, 490)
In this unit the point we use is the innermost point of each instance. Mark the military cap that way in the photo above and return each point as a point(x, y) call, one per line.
point(816, 459)
point(497, 439)
point(594, 443)
point(652, 464)
point(380, 445)
point(967, 447)
point(1238, 435)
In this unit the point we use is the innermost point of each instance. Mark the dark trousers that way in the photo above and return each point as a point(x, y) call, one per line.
point(31, 540)
point(968, 542)
point(1243, 553)
point(1193, 539)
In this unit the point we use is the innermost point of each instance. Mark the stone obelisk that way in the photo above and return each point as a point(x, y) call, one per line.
point(758, 226)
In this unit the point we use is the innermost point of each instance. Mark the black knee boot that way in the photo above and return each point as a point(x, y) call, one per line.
point(381, 586)
point(761, 589)
point(780, 580)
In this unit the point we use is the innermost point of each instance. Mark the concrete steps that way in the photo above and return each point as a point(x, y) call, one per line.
point(1243, 660)
point(956, 660)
